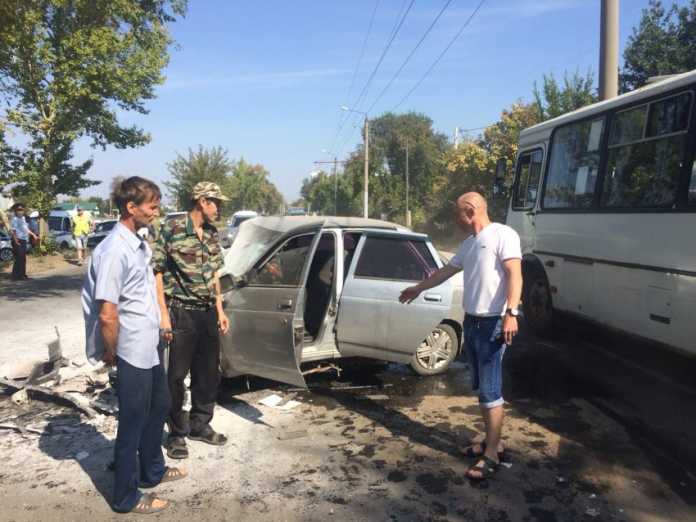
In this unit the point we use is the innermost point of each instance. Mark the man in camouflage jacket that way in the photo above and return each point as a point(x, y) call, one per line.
point(186, 260)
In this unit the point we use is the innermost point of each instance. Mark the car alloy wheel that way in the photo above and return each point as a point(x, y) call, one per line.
point(436, 352)
point(6, 255)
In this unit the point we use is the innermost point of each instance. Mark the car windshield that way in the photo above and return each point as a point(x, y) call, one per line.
point(251, 243)
point(238, 220)
point(105, 227)
point(55, 223)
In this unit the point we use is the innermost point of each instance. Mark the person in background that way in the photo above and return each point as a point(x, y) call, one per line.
point(491, 259)
point(20, 234)
point(186, 260)
point(82, 226)
point(122, 319)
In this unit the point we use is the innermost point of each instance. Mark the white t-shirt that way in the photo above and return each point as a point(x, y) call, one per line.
point(481, 259)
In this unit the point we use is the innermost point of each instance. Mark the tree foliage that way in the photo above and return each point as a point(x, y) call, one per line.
point(248, 186)
point(66, 68)
point(199, 165)
point(663, 43)
point(553, 100)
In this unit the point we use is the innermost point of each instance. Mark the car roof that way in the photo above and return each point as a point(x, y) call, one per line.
point(289, 223)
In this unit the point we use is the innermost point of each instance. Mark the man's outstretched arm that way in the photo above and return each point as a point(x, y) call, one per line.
point(436, 279)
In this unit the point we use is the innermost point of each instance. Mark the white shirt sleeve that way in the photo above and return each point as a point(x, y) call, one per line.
point(457, 260)
point(509, 244)
point(111, 274)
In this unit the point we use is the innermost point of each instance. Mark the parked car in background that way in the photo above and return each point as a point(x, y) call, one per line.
point(233, 224)
point(60, 228)
point(101, 230)
point(305, 289)
point(6, 253)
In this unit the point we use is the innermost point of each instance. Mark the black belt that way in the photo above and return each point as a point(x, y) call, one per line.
point(186, 305)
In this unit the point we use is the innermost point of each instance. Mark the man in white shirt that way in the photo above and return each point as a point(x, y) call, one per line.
point(491, 259)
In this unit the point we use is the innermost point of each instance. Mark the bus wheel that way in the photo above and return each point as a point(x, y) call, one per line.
point(537, 304)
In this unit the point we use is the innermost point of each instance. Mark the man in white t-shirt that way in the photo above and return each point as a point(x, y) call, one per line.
point(491, 259)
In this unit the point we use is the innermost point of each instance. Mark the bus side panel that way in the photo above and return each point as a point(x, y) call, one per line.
point(635, 272)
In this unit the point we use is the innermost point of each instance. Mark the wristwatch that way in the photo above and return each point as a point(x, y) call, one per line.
point(514, 312)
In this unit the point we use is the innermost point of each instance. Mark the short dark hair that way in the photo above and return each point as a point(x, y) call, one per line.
point(134, 189)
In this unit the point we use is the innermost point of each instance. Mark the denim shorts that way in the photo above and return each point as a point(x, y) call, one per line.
point(485, 350)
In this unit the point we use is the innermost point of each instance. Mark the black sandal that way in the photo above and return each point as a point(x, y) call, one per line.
point(469, 452)
point(176, 449)
point(209, 436)
point(487, 467)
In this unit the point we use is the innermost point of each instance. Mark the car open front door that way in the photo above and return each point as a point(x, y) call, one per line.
point(371, 320)
point(266, 315)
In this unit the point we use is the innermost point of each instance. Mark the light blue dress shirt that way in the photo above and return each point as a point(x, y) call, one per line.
point(120, 273)
point(20, 227)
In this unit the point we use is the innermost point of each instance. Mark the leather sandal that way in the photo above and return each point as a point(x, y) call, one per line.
point(145, 505)
point(485, 467)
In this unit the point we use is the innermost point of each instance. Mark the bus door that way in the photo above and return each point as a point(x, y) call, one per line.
point(524, 196)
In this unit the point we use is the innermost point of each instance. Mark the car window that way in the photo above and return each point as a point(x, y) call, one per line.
point(397, 259)
point(284, 267)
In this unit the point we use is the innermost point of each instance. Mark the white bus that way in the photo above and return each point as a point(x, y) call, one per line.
point(604, 200)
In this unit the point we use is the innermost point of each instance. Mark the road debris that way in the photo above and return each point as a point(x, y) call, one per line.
point(271, 401)
point(289, 405)
point(20, 429)
point(20, 398)
point(289, 435)
point(77, 401)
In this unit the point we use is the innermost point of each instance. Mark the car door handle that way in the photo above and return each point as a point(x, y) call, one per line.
point(433, 298)
point(285, 304)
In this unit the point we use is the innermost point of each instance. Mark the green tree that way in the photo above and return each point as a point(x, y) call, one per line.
point(389, 135)
point(250, 189)
point(66, 67)
point(199, 165)
point(318, 195)
point(663, 43)
point(553, 101)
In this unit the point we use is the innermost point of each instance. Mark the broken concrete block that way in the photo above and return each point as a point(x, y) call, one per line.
point(20, 398)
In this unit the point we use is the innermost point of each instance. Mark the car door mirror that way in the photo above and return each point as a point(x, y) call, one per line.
point(229, 282)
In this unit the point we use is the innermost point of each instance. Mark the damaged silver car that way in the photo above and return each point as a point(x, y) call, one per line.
point(305, 289)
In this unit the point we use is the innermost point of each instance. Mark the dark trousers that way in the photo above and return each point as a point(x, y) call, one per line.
point(143, 405)
point(19, 268)
point(195, 348)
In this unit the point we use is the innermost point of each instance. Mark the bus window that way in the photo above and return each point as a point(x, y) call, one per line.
point(573, 165)
point(692, 185)
point(646, 150)
point(527, 182)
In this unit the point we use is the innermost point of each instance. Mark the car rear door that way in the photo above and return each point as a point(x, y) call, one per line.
point(371, 320)
point(266, 314)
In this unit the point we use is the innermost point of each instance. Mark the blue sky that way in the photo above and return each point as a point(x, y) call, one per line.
point(265, 79)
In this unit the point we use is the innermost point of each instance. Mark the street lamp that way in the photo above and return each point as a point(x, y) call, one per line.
point(367, 152)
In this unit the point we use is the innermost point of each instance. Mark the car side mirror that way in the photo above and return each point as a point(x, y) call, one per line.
point(499, 189)
point(228, 282)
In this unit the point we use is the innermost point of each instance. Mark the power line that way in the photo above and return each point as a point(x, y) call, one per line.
point(344, 116)
point(408, 58)
point(442, 54)
point(395, 32)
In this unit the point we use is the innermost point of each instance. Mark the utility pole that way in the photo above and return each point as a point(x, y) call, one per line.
point(609, 50)
point(366, 137)
point(408, 211)
point(456, 137)
point(335, 163)
point(367, 180)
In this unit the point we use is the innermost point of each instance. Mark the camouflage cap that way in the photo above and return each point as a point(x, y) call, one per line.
point(208, 189)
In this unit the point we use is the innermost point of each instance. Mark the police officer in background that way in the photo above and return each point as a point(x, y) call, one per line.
point(186, 260)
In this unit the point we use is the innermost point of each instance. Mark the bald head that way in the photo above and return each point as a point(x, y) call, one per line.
point(472, 212)
point(473, 200)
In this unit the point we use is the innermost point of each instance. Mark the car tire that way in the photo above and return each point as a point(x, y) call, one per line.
point(6, 255)
point(436, 352)
point(537, 303)
point(64, 245)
